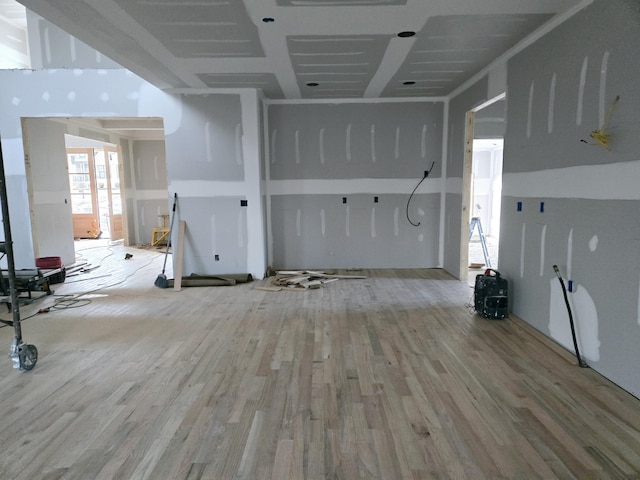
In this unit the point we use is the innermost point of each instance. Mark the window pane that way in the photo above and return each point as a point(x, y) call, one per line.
point(78, 163)
point(116, 205)
point(79, 183)
point(81, 204)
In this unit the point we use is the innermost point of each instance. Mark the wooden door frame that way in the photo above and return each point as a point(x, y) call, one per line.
point(467, 185)
point(92, 184)
point(123, 217)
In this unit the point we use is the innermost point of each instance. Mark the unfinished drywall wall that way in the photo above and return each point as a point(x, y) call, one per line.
point(570, 203)
point(121, 94)
point(51, 47)
point(48, 183)
point(340, 177)
point(149, 175)
point(221, 160)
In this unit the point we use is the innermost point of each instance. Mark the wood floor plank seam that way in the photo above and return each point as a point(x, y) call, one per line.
point(384, 377)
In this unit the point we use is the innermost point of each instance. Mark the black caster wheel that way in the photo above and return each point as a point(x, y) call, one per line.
point(28, 356)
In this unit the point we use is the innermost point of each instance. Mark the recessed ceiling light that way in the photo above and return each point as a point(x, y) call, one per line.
point(409, 82)
point(312, 84)
point(268, 19)
point(406, 34)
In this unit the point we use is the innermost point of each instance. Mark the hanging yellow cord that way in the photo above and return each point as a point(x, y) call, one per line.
point(600, 135)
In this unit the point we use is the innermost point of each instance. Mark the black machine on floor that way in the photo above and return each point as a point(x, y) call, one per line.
point(491, 295)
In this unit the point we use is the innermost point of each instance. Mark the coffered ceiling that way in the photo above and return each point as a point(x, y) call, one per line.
point(303, 48)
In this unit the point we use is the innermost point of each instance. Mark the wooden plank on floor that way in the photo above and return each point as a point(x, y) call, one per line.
point(177, 275)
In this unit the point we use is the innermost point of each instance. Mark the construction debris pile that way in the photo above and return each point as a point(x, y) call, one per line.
point(304, 279)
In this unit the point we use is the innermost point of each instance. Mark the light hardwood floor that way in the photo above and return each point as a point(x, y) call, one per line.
point(391, 377)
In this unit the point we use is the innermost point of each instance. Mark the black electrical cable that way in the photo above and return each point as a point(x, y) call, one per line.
point(69, 301)
point(581, 362)
point(426, 174)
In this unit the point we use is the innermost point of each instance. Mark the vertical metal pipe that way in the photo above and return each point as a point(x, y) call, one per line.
point(15, 307)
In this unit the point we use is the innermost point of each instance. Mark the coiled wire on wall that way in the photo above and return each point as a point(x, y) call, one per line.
point(426, 174)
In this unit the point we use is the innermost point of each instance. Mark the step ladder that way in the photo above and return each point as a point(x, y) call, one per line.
point(475, 223)
point(160, 234)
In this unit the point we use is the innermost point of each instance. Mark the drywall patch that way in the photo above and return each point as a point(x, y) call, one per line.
point(585, 319)
point(569, 253)
point(46, 96)
point(348, 143)
point(321, 145)
point(373, 222)
point(552, 103)
point(616, 181)
point(396, 223)
point(72, 48)
point(522, 249)
point(603, 87)
point(71, 96)
point(15, 101)
point(155, 167)
point(239, 156)
point(241, 228)
point(593, 243)
point(347, 220)
point(274, 136)
point(47, 45)
point(397, 146)
point(207, 141)
point(543, 243)
point(583, 82)
point(530, 109)
point(421, 237)
point(322, 222)
point(298, 223)
point(214, 235)
point(373, 143)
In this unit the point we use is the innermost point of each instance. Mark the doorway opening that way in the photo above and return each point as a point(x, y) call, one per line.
point(96, 202)
point(92, 179)
point(482, 190)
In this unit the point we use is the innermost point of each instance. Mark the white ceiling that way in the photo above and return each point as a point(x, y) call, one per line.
point(347, 48)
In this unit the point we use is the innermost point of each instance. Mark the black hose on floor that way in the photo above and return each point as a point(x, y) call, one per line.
point(581, 362)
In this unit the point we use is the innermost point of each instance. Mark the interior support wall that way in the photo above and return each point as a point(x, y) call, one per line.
point(213, 157)
point(340, 179)
point(572, 204)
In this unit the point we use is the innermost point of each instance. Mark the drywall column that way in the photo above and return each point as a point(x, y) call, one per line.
point(256, 234)
point(213, 164)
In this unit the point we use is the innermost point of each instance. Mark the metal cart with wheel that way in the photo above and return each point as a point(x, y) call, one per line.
point(23, 355)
